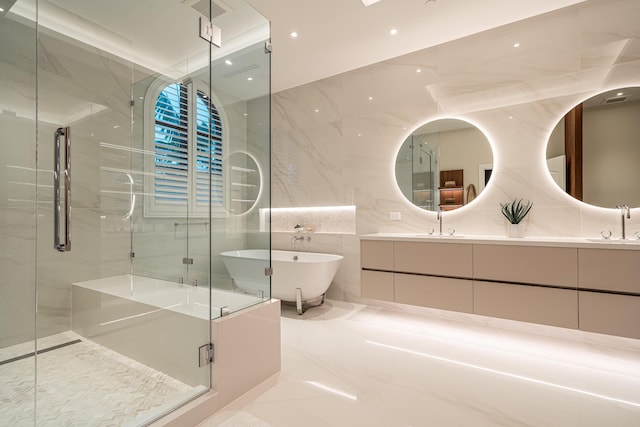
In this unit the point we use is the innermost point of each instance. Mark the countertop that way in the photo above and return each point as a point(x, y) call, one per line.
point(562, 242)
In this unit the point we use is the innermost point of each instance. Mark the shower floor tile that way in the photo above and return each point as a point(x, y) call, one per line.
point(82, 384)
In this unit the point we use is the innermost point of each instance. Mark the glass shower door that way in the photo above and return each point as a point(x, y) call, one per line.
point(241, 239)
point(121, 347)
point(18, 180)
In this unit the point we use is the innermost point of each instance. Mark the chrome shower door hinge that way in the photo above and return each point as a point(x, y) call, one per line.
point(268, 47)
point(268, 271)
point(210, 32)
point(205, 355)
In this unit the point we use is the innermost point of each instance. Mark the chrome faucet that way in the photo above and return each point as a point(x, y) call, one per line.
point(295, 239)
point(439, 217)
point(624, 212)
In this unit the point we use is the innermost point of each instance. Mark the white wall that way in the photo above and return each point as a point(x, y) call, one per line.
point(345, 153)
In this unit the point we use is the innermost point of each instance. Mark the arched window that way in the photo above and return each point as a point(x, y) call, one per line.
point(187, 169)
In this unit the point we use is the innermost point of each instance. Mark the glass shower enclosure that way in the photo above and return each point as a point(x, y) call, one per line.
point(416, 172)
point(132, 157)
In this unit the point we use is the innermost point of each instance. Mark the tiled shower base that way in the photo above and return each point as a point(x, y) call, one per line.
point(81, 384)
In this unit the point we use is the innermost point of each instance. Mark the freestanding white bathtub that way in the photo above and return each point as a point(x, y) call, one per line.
point(297, 276)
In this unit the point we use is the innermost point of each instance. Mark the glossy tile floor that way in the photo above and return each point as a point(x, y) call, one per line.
point(351, 365)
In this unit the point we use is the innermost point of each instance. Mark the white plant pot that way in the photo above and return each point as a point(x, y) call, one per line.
point(516, 230)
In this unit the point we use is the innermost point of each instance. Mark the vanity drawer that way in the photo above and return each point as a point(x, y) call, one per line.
point(609, 269)
point(610, 314)
point(376, 254)
point(435, 292)
point(526, 264)
point(377, 285)
point(536, 304)
point(438, 259)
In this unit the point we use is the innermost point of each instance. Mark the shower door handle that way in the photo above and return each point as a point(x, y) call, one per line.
point(66, 246)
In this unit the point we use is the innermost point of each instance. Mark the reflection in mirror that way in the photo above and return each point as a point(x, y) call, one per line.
point(244, 182)
point(444, 164)
point(594, 151)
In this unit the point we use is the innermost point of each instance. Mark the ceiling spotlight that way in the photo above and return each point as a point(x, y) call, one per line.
point(228, 62)
point(371, 98)
point(249, 78)
point(293, 35)
point(1, 10)
point(619, 93)
point(393, 31)
point(369, 2)
point(419, 70)
point(516, 45)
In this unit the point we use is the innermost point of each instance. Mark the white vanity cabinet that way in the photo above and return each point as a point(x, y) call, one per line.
point(568, 284)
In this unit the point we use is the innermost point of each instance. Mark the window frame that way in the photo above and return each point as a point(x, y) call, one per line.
point(152, 209)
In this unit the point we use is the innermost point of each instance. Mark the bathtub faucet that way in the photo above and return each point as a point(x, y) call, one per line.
point(294, 239)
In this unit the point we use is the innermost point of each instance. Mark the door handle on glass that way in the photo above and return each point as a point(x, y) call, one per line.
point(66, 246)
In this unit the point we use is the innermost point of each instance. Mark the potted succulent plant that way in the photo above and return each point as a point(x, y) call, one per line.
point(515, 212)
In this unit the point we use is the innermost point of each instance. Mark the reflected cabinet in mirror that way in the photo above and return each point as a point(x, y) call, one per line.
point(594, 151)
point(444, 164)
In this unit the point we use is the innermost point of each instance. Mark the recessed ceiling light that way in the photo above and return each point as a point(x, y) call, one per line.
point(393, 31)
point(249, 78)
point(619, 93)
point(371, 98)
point(419, 70)
point(293, 35)
point(1, 9)
point(516, 45)
point(228, 62)
point(369, 2)
point(316, 110)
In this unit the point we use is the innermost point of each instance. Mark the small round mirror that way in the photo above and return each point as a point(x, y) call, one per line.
point(444, 164)
point(593, 153)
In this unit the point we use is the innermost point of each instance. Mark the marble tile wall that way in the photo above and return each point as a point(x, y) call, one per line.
point(335, 140)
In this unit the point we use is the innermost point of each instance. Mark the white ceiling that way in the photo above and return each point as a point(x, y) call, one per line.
point(340, 35)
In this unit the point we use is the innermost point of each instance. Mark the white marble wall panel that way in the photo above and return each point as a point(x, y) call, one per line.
point(516, 95)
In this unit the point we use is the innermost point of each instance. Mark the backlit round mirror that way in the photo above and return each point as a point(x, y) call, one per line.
point(444, 164)
point(594, 151)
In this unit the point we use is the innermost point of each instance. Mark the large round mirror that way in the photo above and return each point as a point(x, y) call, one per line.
point(594, 151)
point(444, 164)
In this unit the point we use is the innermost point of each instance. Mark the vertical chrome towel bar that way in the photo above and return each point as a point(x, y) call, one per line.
point(66, 246)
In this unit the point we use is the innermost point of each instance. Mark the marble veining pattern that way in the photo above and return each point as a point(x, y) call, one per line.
point(351, 365)
point(343, 153)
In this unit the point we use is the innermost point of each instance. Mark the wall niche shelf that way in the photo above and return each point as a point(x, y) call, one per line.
point(451, 190)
